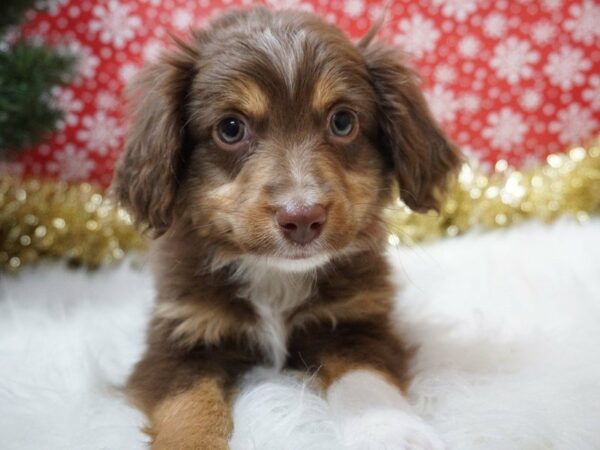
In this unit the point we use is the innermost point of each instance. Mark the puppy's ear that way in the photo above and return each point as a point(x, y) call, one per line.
point(146, 176)
point(422, 157)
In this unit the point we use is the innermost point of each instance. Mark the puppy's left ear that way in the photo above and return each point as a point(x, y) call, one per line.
point(421, 155)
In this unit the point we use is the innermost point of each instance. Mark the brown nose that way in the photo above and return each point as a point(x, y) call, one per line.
point(302, 224)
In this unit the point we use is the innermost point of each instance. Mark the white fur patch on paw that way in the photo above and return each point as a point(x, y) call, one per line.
point(385, 429)
point(374, 415)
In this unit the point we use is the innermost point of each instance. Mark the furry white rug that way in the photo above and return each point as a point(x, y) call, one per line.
point(508, 324)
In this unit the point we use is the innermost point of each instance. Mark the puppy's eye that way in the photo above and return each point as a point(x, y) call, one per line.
point(230, 131)
point(343, 123)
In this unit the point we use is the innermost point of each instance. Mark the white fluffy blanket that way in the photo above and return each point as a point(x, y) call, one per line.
point(508, 323)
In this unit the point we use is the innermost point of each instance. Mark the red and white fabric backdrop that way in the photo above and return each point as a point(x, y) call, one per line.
point(512, 80)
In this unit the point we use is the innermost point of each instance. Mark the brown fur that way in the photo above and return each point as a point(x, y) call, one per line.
point(214, 208)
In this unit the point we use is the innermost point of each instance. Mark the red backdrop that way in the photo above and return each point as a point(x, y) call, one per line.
point(512, 80)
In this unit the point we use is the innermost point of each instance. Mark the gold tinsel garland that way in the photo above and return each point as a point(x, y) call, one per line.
point(40, 219)
point(568, 184)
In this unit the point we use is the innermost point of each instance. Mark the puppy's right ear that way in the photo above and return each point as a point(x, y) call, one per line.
point(146, 176)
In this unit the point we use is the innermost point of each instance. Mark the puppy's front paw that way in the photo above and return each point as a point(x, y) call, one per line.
point(388, 429)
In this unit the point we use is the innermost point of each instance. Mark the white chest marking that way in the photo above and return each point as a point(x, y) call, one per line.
point(274, 293)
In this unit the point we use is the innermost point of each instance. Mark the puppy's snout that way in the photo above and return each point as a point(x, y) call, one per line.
point(302, 224)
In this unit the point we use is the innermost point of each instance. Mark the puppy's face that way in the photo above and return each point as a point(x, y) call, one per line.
point(273, 135)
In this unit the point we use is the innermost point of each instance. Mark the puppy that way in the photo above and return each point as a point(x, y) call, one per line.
point(261, 156)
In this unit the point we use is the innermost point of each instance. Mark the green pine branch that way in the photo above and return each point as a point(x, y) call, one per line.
point(28, 72)
point(12, 12)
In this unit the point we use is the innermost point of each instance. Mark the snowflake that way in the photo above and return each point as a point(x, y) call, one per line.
point(417, 35)
point(106, 100)
point(182, 19)
point(65, 99)
point(127, 72)
point(512, 59)
point(152, 50)
point(290, 4)
point(445, 73)
point(376, 11)
point(552, 4)
point(574, 125)
point(565, 68)
point(505, 129)
point(470, 103)
point(530, 99)
point(469, 46)
point(114, 23)
point(87, 60)
point(71, 164)
point(494, 25)
point(100, 133)
point(442, 103)
point(52, 6)
point(459, 9)
point(592, 93)
point(474, 158)
point(543, 32)
point(354, 8)
point(584, 23)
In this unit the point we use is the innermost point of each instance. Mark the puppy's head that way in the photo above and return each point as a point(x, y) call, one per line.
point(272, 135)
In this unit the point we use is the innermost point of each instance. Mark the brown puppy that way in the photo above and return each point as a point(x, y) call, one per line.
point(261, 155)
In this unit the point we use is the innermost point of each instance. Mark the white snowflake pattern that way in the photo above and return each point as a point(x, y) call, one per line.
point(70, 104)
point(152, 50)
point(87, 60)
point(574, 124)
point(290, 4)
point(418, 35)
point(469, 46)
point(552, 4)
point(354, 8)
point(592, 93)
point(445, 74)
point(505, 129)
point(459, 9)
point(182, 19)
point(566, 67)
point(473, 157)
point(513, 58)
point(71, 164)
point(442, 103)
point(127, 72)
point(470, 103)
point(114, 23)
point(530, 100)
point(52, 6)
point(543, 32)
point(100, 133)
point(494, 25)
point(584, 23)
point(106, 101)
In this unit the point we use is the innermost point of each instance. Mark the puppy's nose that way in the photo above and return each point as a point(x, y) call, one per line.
point(302, 224)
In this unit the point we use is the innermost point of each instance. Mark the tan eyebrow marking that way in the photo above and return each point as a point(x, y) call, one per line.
point(249, 97)
point(326, 92)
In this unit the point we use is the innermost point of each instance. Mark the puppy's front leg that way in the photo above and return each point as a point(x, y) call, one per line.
point(186, 398)
point(195, 419)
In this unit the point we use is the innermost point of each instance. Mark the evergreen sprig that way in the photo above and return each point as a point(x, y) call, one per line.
point(28, 73)
point(12, 12)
